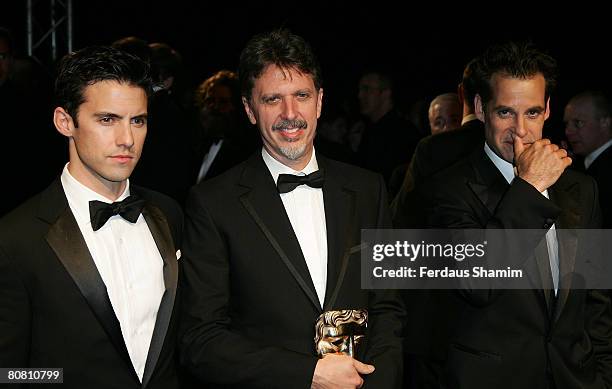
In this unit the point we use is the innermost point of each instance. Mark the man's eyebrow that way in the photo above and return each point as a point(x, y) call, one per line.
point(538, 108)
point(107, 114)
point(143, 115)
point(503, 107)
point(270, 96)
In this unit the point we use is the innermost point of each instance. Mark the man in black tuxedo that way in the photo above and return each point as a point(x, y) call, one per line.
point(588, 127)
point(388, 139)
point(557, 338)
point(90, 286)
point(263, 262)
point(225, 138)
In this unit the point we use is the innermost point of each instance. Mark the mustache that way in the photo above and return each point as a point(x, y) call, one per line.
point(286, 123)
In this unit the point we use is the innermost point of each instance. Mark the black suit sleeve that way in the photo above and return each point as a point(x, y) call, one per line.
point(386, 314)
point(210, 348)
point(406, 209)
point(14, 316)
point(520, 207)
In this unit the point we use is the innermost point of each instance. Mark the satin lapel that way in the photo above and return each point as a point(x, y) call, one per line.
point(158, 225)
point(542, 260)
point(567, 198)
point(341, 234)
point(266, 208)
point(489, 185)
point(67, 242)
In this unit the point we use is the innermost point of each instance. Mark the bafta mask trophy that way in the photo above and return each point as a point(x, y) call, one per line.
point(340, 332)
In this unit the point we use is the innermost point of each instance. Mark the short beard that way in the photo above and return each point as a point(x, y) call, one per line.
point(293, 153)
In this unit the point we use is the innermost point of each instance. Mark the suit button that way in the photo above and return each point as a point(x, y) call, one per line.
point(548, 223)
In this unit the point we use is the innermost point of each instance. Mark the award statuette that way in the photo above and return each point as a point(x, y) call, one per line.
point(340, 332)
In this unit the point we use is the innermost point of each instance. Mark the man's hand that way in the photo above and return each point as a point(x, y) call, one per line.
point(339, 372)
point(540, 164)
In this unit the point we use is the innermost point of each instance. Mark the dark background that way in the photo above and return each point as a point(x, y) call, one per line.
point(425, 46)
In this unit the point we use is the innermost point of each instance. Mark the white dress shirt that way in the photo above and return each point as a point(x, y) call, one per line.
point(129, 263)
point(304, 206)
point(508, 171)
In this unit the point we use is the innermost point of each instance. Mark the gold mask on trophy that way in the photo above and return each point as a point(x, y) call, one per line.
point(340, 332)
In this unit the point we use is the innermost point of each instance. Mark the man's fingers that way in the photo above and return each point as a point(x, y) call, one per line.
point(562, 153)
point(361, 381)
point(363, 368)
point(518, 147)
point(543, 141)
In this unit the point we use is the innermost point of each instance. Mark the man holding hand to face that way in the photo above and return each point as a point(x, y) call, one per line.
point(518, 180)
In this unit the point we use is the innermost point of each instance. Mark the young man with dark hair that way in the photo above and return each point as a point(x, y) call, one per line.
point(88, 267)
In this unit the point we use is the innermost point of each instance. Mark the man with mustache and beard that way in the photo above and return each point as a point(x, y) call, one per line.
point(275, 241)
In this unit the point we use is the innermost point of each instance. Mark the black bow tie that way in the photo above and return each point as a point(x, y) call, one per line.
point(129, 209)
point(288, 182)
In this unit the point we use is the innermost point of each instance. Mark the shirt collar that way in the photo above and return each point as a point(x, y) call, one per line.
point(276, 168)
point(79, 196)
point(589, 159)
point(504, 167)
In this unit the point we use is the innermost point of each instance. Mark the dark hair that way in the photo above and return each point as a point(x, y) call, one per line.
point(222, 77)
point(135, 46)
point(280, 48)
point(165, 61)
point(385, 78)
point(469, 82)
point(94, 64)
point(517, 60)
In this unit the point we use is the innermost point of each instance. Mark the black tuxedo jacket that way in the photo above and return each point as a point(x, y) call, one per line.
point(387, 143)
point(54, 307)
point(250, 305)
point(524, 338)
point(432, 155)
point(601, 171)
point(230, 154)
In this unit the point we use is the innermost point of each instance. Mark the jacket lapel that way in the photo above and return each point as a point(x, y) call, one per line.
point(340, 223)
point(160, 231)
point(567, 197)
point(489, 185)
point(264, 205)
point(67, 242)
